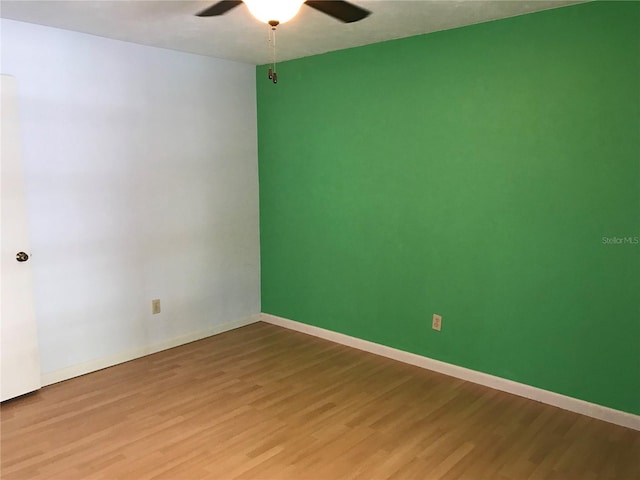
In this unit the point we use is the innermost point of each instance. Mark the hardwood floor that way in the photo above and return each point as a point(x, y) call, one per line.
point(264, 402)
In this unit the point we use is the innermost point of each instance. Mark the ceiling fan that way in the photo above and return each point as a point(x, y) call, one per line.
point(275, 12)
point(286, 9)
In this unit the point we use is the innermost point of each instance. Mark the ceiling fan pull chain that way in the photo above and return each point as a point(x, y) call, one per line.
point(275, 74)
point(269, 46)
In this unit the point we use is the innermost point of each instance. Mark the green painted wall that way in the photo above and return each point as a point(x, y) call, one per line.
point(473, 173)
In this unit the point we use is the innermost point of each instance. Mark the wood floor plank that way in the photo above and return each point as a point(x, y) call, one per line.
point(262, 402)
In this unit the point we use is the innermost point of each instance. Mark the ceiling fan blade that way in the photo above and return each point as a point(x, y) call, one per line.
point(219, 8)
point(343, 11)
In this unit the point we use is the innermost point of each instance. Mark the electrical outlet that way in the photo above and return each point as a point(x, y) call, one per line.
point(437, 322)
point(155, 306)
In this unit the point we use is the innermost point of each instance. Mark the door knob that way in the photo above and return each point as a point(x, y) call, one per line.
point(22, 257)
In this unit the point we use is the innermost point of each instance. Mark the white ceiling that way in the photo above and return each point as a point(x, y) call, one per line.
point(238, 36)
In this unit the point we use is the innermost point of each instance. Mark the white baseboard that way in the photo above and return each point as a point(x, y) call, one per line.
point(99, 364)
point(545, 396)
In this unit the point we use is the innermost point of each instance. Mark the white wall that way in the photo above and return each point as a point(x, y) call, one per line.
point(142, 183)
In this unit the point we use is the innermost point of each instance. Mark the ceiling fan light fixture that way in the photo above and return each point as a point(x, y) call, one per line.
point(279, 10)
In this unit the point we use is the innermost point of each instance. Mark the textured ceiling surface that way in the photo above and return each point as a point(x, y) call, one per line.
point(239, 37)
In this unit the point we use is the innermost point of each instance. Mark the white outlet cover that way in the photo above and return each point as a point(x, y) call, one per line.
point(437, 322)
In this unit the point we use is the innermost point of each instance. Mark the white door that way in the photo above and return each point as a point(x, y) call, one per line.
point(20, 367)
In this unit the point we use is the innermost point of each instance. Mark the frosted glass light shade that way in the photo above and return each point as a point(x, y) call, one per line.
point(279, 10)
